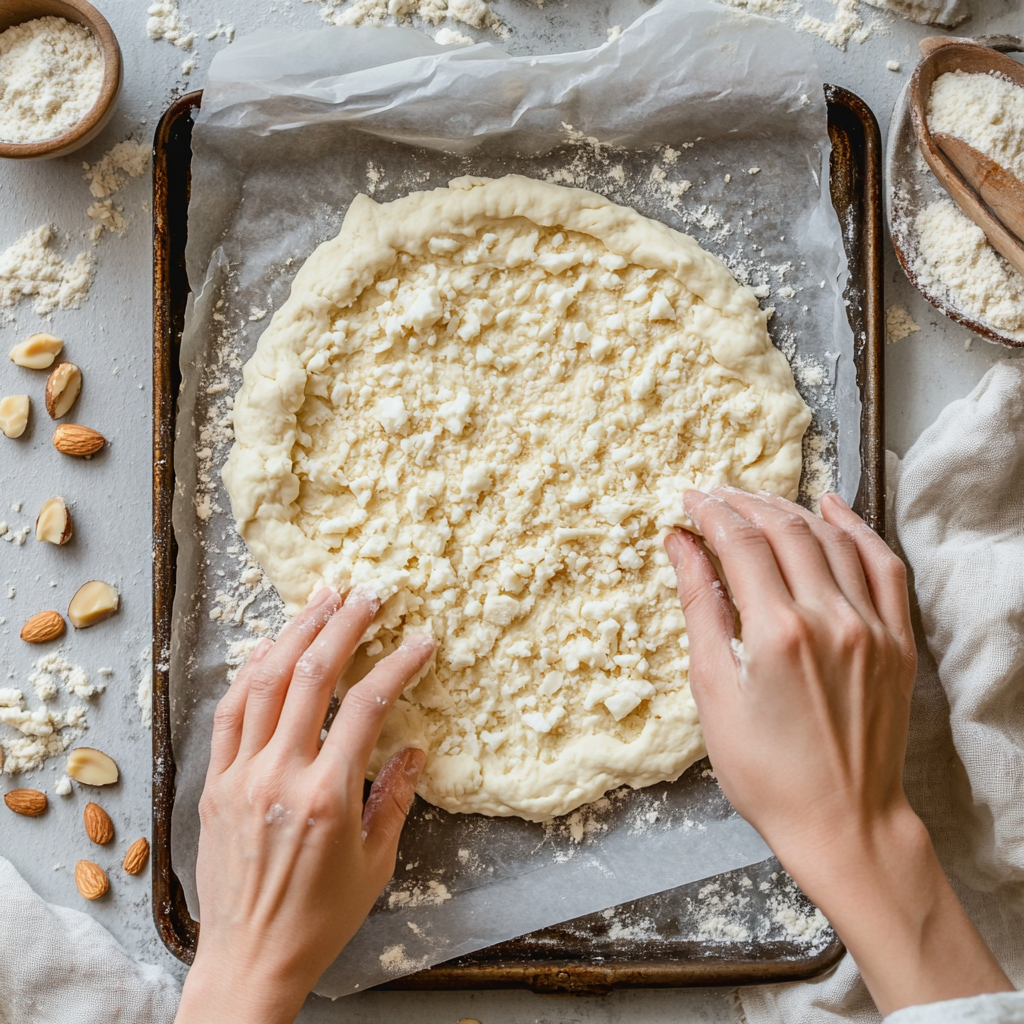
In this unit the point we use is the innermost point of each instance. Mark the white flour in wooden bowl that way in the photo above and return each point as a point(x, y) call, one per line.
point(51, 72)
point(954, 260)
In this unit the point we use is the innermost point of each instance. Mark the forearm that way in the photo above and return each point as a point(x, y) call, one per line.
point(215, 993)
point(888, 899)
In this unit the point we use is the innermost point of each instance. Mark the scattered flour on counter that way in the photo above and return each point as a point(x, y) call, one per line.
point(475, 13)
point(106, 177)
point(31, 269)
point(165, 22)
point(955, 262)
point(43, 732)
point(846, 25)
point(52, 669)
point(899, 324)
point(986, 111)
point(62, 787)
point(224, 29)
point(51, 73)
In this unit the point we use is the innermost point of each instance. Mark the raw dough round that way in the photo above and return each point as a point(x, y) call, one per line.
point(484, 402)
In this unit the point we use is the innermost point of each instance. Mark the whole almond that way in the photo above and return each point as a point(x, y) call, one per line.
point(91, 879)
point(74, 439)
point(98, 826)
point(43, 627)
point(29, 802)
point(135, 858)
point(62, 389)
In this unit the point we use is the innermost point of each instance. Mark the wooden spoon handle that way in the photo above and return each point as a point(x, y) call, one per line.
point(1000, 188)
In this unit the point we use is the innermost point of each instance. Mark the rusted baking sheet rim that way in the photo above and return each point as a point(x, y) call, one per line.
point(526, 962)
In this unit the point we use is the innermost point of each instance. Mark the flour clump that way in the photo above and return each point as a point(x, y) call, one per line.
point(484, 402)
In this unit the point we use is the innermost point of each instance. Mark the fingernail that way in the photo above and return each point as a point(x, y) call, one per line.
point(673, 547)
point(414, 762)
point(261, 649)
point(321, 597)
point(423, 641)
point(694, 497)
point(837, 498)
point(361, 595)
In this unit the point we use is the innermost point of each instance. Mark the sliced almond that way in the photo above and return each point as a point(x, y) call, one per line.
point(74, 439)
point(29, 802)
point(43, 627)
point(91, 880)
point(135, 858)
point(14, 414)
point(93, 602)
point(62, 388)
point(91, 767)
point(98, 826)
point(37, 352)
point(53, 523)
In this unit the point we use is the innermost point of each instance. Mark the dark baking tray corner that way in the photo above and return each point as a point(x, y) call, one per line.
point(553, 960)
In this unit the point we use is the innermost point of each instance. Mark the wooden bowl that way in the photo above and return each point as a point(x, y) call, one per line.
point(972, 58)
point(15, 12)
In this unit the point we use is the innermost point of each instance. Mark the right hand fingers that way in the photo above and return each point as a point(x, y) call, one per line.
point(884, 570)
point(746, 556)
point(230, 713)
point(348, 746)
point(269, 681)
point(710, 624)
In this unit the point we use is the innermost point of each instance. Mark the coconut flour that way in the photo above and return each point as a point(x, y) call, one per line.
point(31, 269)
point(51, 72)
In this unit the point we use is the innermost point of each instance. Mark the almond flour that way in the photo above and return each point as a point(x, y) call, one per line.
point(51, 72)
point(30, 269)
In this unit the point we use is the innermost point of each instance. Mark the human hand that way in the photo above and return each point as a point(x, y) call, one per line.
point(290, 862)
point(806, 725)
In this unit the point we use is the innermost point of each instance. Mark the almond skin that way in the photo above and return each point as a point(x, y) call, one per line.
point(28, 802)
point(62, 389)
point(53, 524)
point(91, 879)
point(135, 858)
point(98, 826)
point(74, 439)
point(43, 627)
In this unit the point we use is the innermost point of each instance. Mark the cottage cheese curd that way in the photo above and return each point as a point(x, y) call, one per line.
point(484, 403)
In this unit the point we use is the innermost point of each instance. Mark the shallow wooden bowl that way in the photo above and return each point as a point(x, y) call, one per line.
point(14, 12)
point(962, 55)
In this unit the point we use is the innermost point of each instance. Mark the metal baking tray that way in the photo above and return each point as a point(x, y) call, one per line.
point(587, 955)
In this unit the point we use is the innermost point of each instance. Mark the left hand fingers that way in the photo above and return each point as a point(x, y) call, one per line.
point(350, 742)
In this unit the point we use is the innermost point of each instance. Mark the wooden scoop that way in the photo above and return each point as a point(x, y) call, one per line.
point(989, 194)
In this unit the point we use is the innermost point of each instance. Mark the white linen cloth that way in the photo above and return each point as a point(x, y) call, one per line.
point(59, 966)
point(956, 514)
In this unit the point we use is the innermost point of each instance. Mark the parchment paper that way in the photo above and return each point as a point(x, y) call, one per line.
point(293, 125)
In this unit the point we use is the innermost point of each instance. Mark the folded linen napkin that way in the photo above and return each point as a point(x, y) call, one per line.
point(59, 966)
point(956, 515)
